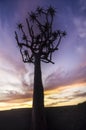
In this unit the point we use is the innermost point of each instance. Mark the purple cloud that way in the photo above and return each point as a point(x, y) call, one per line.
point(62, 78)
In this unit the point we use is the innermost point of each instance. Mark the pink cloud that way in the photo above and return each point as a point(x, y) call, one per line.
point(62, 78)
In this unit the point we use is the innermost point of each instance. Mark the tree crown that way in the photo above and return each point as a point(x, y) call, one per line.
point(41, 40)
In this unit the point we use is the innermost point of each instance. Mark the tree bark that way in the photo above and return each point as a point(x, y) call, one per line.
point(38, 113)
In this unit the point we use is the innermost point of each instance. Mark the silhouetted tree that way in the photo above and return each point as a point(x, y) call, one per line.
point(36, 45)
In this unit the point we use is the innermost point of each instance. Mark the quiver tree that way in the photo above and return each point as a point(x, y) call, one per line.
point(36, 46)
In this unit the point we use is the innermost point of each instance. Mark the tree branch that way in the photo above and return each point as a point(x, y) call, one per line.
point(42, 42)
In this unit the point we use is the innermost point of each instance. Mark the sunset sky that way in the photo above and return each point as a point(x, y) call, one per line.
point(65, 81)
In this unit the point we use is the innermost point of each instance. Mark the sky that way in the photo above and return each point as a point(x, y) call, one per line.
point(65, 81)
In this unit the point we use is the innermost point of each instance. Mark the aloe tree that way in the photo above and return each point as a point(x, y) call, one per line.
point(37, 45)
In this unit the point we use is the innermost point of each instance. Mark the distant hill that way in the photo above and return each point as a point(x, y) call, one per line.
point(58, 118)
point(82, 104)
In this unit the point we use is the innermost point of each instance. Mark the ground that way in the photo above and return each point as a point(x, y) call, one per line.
point(58, 118)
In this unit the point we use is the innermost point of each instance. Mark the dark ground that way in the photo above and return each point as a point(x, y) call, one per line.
point(58, 118)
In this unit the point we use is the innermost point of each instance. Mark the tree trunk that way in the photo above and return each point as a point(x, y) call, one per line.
point(38, 113)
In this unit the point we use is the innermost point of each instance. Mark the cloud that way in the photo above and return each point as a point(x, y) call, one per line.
point(12, 96)
point(15, 81)
point(12, 86)
point(66, 96)
point(61, 78)
point(51, 101)
point(80, 24)
point(80, 94)
point(82, 4)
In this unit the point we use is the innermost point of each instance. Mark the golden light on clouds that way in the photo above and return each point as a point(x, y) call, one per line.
point(63, 96)
point(69, 95)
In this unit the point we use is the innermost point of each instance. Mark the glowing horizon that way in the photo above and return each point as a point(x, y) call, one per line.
point(63, 96)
